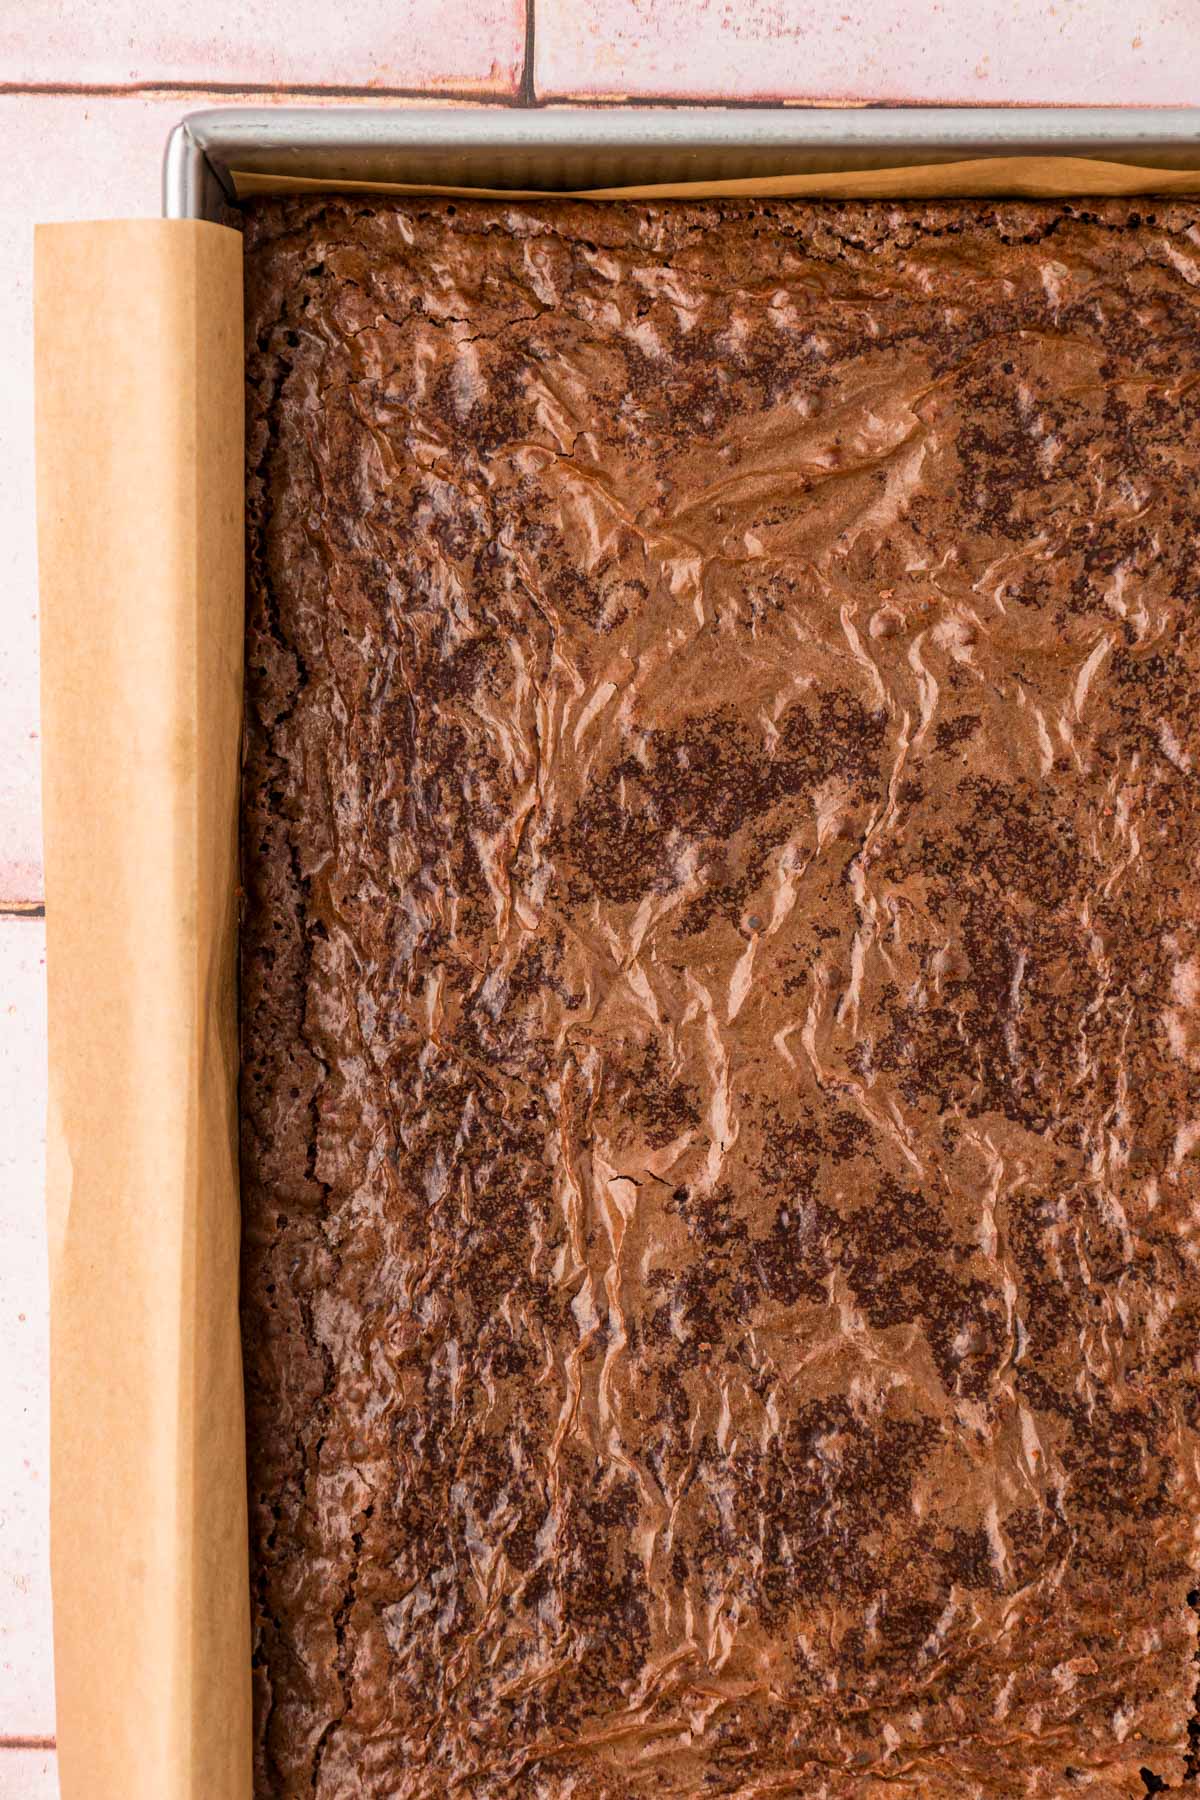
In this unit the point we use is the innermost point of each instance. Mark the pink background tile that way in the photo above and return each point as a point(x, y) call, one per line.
point(28, 1775)
point(1082, 52)
point(416, 46)
point(26, 1679)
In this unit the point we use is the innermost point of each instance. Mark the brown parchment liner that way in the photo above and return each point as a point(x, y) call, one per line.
point(1019, 177)
point(139, 384)
point(139, 381)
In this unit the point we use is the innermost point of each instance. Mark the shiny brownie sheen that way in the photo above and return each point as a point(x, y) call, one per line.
point(720, 980)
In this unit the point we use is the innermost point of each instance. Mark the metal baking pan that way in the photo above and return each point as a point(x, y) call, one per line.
point(561, 149)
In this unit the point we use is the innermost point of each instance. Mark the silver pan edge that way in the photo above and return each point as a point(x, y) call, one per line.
point(581, 147)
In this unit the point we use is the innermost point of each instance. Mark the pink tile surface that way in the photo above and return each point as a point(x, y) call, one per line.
point(28, 1775)
point(411, 45)
point(1064, 52)
point(26, 1678)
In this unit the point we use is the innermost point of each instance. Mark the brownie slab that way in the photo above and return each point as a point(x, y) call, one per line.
point(720, 981)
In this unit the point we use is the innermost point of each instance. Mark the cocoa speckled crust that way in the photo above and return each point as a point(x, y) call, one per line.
point(721, 998)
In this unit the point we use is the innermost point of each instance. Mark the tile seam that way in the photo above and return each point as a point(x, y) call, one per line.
point(527, 91)
point(140, 90)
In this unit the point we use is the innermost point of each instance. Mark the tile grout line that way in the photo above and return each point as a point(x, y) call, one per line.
point(524, 95)
point(527, 91)
point(131, 90)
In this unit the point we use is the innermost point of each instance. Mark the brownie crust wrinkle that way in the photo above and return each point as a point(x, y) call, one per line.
point(720, 982)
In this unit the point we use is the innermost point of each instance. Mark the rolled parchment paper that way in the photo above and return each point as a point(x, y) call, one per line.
point(140, 517)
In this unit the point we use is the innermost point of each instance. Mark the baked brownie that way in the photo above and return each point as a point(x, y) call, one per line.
point(720, 981)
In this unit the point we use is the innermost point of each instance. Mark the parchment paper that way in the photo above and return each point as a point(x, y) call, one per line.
point(1027, 177)
point(140, 455)
point(140, 518)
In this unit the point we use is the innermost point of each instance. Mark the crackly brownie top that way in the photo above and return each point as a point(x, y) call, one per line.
point(720, 983)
